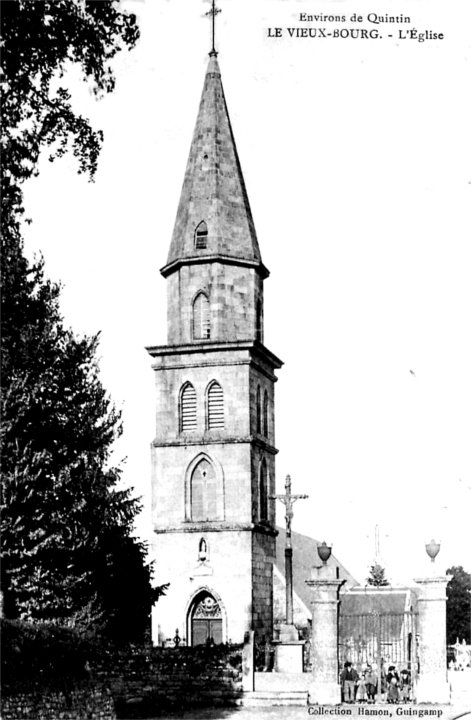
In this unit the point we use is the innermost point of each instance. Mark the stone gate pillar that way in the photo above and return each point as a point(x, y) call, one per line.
point(324, 585)
point(432, 684)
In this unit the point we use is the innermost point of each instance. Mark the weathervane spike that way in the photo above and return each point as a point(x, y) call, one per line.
point(212, 13)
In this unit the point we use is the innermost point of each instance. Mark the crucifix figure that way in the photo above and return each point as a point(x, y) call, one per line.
point(212, 13)
point(288, 499)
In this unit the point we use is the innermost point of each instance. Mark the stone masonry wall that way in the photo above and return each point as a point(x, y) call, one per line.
point(139, 683)
point(146, 683)
point(85, 703)
point(233, 293)
point(263, 553)
point(226, 574)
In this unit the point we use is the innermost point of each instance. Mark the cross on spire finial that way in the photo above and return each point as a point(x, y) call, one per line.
point(212, 13)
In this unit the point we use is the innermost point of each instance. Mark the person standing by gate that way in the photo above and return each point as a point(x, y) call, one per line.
point(392, 679)
point(371, 680)
point(405, 683)
point(348, 679)
point(361, 689)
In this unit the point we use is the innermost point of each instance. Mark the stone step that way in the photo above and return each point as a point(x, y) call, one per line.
point(461, 697)
point(460, 681)
point(275, 698)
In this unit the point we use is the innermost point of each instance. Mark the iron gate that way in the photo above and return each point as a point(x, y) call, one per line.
point(382, 638)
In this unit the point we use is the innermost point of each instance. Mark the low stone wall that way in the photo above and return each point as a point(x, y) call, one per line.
point(137, 683)
point(85, 703)
point(144, 683)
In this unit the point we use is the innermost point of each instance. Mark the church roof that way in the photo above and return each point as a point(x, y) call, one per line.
point(305, 557)
point(214, 190)
point(384, 600)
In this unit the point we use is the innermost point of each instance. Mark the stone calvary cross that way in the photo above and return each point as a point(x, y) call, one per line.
point(288, 499)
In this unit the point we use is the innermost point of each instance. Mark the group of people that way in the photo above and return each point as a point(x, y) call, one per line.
point(462, 656)
point(365, 686)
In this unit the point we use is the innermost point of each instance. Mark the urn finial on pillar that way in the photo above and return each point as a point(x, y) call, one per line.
point(324, 586)
point(432, 548)
point(324, 551)
point(432, 683)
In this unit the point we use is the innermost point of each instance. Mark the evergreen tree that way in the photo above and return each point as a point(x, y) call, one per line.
point(458, 606)
point(68, 554)
point(377, 576)
point(39, 40)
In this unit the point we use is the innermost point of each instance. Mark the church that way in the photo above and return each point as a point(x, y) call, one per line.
point(213, 455)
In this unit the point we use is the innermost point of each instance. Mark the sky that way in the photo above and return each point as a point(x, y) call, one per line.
point(356, 157)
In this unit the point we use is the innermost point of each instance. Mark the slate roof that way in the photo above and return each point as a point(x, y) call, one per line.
point(214, 189)
point(355, 599)
point(305, 557)
point(384, 600)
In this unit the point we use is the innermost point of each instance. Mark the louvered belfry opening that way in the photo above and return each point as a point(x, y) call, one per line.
point(215, 407)
point(188, 409)
point(201, 322)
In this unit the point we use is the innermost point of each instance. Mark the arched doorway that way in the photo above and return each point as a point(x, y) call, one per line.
point(205, 620)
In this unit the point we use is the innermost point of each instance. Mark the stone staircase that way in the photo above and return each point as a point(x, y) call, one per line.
point(278, 689)
point(460, 684)
point(274, 698)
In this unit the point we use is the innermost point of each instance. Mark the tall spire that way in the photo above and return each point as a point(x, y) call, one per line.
point(214, 190)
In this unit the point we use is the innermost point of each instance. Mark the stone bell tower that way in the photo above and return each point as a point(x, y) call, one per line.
point(213, 456)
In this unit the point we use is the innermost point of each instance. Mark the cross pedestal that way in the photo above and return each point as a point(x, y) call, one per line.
point(432, 683)
point(324, 585)
point(288, 652)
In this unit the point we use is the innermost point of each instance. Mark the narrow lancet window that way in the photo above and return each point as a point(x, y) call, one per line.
point(259, 322)
point(201, 321)
point(259, 411)
point(263, 491)
point(201, 236)
point(265, 413)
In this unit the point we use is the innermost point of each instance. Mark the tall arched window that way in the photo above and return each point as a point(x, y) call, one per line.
point(265, 413)
point(201, 322)
point(259, 410)
point(206, 493)
point(187, 408)
point(201, 236)
point(215, 407)
point(263, 491)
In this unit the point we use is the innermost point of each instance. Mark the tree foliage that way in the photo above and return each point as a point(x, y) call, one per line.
point(458, 605)
point(39, 656)
point(40, 40)
point(377, 576)
point(68, 554)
